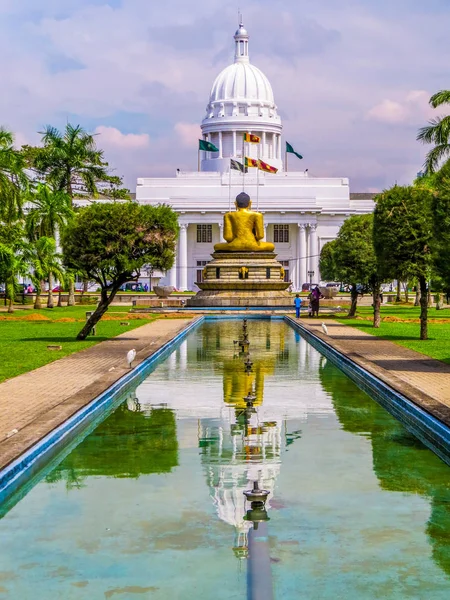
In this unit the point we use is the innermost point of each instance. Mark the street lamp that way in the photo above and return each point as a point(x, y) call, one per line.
point(310, 275)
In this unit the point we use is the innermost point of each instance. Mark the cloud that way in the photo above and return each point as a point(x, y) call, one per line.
point(189, 133)
point(388, 111)
point(348, 81)
point(412, 108)
point(112, 137)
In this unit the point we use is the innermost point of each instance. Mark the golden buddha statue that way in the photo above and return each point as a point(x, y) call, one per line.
point(243, 230)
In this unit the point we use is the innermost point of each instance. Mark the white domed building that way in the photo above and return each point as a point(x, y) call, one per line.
point(301, 211)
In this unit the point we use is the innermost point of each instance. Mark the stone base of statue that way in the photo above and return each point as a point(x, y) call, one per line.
point(242, 279)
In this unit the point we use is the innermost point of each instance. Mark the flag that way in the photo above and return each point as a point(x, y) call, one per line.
point(290, 149)
point(265, 167)
point(251, 162)
point(252, 139)
point(237, 166)
point(207, 146)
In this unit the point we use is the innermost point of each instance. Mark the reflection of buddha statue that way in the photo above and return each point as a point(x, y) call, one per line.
point(243, 230)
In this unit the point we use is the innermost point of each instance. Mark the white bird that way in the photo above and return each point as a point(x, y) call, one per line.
point(324, 329)
point(131, 355)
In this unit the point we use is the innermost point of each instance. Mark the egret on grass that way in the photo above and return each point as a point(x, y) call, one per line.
point(131, 355)
point(324, 329)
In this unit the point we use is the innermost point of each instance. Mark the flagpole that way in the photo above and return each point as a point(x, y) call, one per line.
point(243, 160)
point(285, 161)
point(198, 160)
point(229, 192)
point(257, 182)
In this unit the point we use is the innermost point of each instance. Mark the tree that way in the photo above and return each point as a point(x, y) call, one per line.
point(110, 242)
point(46, 266)
point(437, 132)
point(327, 265)
point(350, 258)
point(71, 162)
point(441, 238)
point(13, 181)
point(49, 214)
point(403, 235)
point(14, 259)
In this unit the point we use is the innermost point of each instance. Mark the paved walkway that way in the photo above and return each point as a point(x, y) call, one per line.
point(36, 402)
point(425, 380)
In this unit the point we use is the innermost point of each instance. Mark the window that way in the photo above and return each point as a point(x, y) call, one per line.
point(204, 234)
point(281, 234)
point(201, 264)
point(285, 264)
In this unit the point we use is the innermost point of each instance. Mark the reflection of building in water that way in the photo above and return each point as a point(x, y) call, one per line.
point(235, 454)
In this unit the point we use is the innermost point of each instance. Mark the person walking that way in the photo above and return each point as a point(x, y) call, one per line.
point(298, 305)
point(315, 297)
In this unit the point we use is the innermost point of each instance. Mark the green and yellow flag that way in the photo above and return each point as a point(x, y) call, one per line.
point(252, 139)
point(207, 146)
point(251, 162)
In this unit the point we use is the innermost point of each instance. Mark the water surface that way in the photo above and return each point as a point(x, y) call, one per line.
point(151, 504)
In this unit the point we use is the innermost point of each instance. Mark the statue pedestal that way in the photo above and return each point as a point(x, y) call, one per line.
point(243, 279)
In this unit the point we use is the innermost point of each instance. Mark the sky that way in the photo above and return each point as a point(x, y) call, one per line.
point(351, 78)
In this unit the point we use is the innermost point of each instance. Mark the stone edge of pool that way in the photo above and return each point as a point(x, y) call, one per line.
point(433, 432)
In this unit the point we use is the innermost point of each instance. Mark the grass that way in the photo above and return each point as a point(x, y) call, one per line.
point(25, 334)
point(400, 324)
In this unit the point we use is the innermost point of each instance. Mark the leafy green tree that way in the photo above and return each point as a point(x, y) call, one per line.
point(441, 238)
point(327, 265)
point(403, 236)
point(13, 180)
point(437, 132)
point(110, 242)
point(351, 259)
point(14, 259)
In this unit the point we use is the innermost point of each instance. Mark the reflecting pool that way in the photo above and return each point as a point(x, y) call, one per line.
point(151, 503)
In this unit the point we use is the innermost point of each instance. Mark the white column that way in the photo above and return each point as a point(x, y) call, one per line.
point(302, 254)
point(183, 257)
point(220, 145)
point(263, 149)
point(234, 144)
point(173, 274)
point(313, 251)
point(265, 232)
point(220, 231)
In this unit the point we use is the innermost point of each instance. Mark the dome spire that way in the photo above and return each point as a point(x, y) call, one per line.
point(241, 43)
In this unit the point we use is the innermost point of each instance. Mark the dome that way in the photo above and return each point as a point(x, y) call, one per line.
point(241, 81)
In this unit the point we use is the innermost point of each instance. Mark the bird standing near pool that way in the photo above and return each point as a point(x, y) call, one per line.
point(131, 355)
point(324, 329)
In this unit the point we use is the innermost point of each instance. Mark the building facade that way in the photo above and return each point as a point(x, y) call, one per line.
point(301, 212)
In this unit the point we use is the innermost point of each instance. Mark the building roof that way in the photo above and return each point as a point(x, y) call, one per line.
point(363, 195)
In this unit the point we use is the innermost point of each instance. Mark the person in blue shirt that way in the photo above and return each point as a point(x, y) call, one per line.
point(297, 304)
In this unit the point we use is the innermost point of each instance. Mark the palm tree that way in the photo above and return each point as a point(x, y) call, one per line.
point(13, 180)
point(49, 214)
point(437, 132)
point(46, 266)
point(71, 162)
point(14, 259)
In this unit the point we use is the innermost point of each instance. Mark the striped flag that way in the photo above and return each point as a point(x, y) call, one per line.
point(237, 166)
point(265, 167)
point(251, 139)
point(251, 162)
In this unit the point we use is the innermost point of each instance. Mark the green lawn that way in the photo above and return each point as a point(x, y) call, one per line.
point(24, 339)
point(404, 328)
